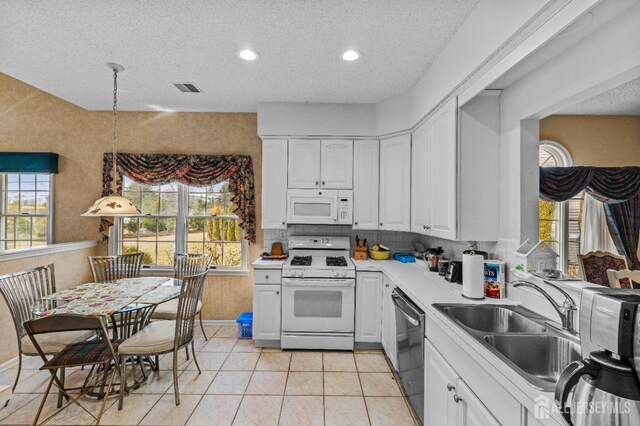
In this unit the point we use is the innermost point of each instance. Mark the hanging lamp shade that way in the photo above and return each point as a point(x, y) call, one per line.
point(114, 205)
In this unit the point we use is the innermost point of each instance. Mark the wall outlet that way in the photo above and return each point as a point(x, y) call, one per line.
point(283, 235)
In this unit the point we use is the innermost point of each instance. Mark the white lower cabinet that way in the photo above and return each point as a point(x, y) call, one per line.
point(266, 312)
point(368, 307)
point(389, 323)
point(448, 399)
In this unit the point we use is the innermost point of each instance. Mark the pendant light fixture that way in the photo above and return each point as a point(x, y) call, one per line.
point(114, 205)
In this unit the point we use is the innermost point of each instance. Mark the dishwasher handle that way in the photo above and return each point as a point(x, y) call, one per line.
point(401, 306)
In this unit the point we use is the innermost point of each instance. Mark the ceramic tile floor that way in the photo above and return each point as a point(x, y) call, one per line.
point(239, 385)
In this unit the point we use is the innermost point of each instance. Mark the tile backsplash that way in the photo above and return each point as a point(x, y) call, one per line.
point(397, 241)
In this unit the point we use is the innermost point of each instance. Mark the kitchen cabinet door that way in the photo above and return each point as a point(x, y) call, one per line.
point(266, 312)
point(389, 323)
point(304, 163)
point(336, 164)
point(439, 389)
point(420, 180)
point(442, 131)
point(368, 307)
point(274, 184)
point(395, 183)
point(366, 174)
point(471, 411)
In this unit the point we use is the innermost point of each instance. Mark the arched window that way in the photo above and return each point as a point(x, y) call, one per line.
point(561, 223)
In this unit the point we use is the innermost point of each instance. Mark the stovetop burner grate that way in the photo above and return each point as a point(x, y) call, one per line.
point(336, 261)
point(301, 261)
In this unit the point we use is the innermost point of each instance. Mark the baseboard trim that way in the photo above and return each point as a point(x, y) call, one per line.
point(9, 364)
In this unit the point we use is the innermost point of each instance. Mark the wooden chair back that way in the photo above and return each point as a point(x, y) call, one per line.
point(110, 268)
point(190, 264)
point(623, 278)
point(22, 290)
point(190, 294)
point(594, 266)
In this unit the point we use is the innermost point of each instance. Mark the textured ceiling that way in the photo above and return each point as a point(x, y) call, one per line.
point(621, 100)
point(62, 47)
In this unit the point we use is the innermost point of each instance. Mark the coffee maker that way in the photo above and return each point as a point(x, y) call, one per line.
point(604, 388)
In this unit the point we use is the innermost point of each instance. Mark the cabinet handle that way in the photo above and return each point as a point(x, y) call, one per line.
point(428, 227)
point(355, 223)
point(456, 398)
point(450, 387)
point(323, 182)
point(319, 193)
point(277, 292)
point(283, 223)
point(386, 285)
point(266, 277)
point(316, 183)
point(380, 223)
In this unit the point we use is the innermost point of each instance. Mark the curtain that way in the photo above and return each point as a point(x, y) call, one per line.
point(617, 187)
point(607, 184)
point(195, 170)
point(624, 225)
point(595, 233)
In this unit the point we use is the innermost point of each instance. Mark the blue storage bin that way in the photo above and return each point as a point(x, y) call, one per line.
point(245, 325)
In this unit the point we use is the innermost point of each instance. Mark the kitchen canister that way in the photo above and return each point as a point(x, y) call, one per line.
point(473, 276)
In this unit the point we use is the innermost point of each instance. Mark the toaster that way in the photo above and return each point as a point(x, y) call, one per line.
point(454, 272)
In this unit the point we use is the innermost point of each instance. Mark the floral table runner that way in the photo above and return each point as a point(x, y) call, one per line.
point(108, 298)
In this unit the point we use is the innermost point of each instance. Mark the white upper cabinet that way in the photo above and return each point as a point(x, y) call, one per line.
point(395, 183)
point(274, 184)
point(336, 164)
point(442, 131)
point(304, 163)
point(420, 181)
point(366, 174)
point(320, 164)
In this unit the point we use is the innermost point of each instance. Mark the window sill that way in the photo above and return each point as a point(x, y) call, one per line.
point(45, 250)
point(213, 272)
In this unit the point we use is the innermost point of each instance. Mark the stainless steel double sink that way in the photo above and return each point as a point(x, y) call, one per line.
point(520, 337)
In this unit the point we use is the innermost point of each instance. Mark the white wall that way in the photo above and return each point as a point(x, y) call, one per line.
point(313, 119)
point(603, 59)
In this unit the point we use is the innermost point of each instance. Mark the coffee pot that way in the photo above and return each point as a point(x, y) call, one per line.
point(604, 388)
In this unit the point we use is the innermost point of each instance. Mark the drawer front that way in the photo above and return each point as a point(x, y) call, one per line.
point(267, 276)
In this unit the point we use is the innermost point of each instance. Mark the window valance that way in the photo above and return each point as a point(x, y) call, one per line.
point(606, 184)
point(196, 170)
point(28, 162)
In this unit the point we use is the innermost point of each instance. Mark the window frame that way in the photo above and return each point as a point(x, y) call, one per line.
point(49, 215)
point(182, 216)
point(564, 159)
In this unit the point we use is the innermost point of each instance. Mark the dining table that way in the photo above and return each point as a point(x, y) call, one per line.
point(127, 304)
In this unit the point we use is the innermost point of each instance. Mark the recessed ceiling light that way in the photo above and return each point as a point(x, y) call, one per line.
point(248, 54)
point(351, 55)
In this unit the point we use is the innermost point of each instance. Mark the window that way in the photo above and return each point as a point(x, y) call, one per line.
point(182, 218)
point(25, 210)
point(561, 223)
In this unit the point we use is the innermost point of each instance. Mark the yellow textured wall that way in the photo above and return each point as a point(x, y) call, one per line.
point(596, 140)
point(33, 120)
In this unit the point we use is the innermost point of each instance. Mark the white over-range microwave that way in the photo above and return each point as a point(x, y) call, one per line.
point(319, 206)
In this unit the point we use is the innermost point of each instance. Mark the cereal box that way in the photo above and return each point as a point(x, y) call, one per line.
point(494, 279)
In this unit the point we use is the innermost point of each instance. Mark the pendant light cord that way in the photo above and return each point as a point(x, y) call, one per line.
point(115, 127)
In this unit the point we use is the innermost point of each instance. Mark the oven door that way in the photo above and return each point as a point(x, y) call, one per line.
point(318, 305)
point(312, 206)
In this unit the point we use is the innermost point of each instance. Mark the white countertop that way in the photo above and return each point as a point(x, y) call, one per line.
point(268, 264)
point(425, 288)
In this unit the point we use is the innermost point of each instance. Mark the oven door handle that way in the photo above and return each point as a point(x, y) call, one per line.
point(312, 282)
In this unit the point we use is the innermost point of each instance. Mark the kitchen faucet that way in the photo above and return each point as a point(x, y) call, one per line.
point(566, 310)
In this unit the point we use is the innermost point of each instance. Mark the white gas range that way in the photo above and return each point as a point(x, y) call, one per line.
point(318, 294)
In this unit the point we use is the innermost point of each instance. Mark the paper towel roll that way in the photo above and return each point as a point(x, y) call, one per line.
point(473, 276)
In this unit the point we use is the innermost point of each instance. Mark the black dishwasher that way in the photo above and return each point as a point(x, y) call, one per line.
point(410, 343)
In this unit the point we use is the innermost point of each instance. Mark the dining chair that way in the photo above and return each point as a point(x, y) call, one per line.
point(110, 268)
point(594, 266)
point(21, 291)
point(100, 351)
point(623, 278)
point(184, 265)
point(163, 337)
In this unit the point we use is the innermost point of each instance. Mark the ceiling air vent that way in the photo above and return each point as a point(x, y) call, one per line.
point(187, 87)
